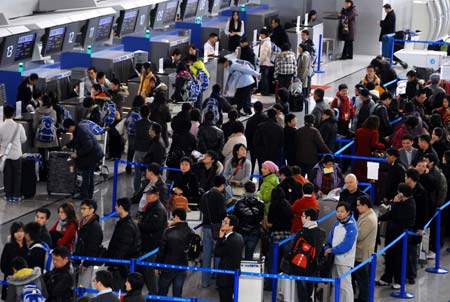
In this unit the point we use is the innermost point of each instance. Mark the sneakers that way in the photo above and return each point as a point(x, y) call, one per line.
point(431, 255)
point(395, 286)
point(381, 283)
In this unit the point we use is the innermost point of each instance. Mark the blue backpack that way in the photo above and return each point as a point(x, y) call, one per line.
point(193, 89)
point(48, 263)
point(132, 118)
point(46, 130)
point(202, 77)
point(96, 129)
point(108, 113)
point(32, 293)
point(212, 105)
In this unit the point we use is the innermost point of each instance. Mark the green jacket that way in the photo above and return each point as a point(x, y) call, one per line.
point(270, 181)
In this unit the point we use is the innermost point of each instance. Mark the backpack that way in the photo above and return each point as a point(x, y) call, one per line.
point(303, 256)
point(177, 202)
point(32, 293)
point(48, 263)
point(46, 130)
point(96, 129)
point(203, 78)
point(193, 89)
point(296, 96)
point(108, 113)
point(275, 51)
point(195, 247)
point(132, 118)
point(212, 105)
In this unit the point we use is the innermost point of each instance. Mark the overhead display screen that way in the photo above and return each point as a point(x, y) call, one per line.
point(104, 28)
point(170, 13)
point(129, 22)
point(55, 40)
point(25, 46)
point(191, 9)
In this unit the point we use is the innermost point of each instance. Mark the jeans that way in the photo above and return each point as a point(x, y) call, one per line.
point(138, 158)
point(251, 241)
point(207, 255)
point(87, 184)
point(12, 176)
point(361, 279)
point(171, 277)
point(264, 84)
point(346, 294)
point(304, 291)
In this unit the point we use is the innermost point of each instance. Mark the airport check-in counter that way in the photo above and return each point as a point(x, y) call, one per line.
point(215, 25)
point(26, 120)
point(259, 17)
point(75, 107)
point(295, 38)
point(114, 63)
point(163, 44)
point(53, 79)
point(330, 27)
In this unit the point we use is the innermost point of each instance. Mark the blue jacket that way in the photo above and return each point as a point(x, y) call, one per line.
point(342, 240)
point(241, 75)
point(87, 148)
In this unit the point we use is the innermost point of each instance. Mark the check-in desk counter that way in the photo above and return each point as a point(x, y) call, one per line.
point(215, 25)
point(55, 80)
point(114, 63)
point(259, 17)
point(75, 107)
point(168, 78)
point(26, 120)
point(163, 44)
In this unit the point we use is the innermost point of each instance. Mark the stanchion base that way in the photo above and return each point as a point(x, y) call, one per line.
point(319, 71)
point(439, 271)
point(400, 295)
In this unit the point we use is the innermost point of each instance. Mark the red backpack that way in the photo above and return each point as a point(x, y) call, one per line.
point(303, 256)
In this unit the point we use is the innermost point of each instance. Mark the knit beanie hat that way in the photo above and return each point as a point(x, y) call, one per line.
point(273, 168)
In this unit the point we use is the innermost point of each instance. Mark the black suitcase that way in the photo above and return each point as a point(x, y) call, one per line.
point(29, 177)
point(61, 173)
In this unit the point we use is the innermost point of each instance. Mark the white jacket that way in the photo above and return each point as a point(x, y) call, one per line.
point(234, 139)
point(6, 135)
point(343, 242)
point(265, 52)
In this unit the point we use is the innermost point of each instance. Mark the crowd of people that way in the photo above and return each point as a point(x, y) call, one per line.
point(216, 160)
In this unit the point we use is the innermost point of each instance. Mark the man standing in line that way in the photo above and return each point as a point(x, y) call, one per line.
point(388, 24)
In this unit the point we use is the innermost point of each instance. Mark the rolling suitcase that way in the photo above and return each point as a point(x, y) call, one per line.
point(322, 292)
point(286, 290)
point(61, 173)
point(30, 170)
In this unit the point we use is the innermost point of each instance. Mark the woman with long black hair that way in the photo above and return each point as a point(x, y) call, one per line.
point(238, 168)
point(234, 30)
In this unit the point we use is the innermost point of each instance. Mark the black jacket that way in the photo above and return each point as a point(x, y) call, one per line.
point(387, 25)
point(108, 297)
point(227, 129)
point(180, 121)
point(175, 244)
point(185, 140)
point(316, 237)
point(280, 216)
point(141, 138)
point(213, 207)
point(10, 251)
point(402, 216)
point(395, 176)
point(422, 206)
point(422, 152)
point(87, 148)
point(279, 36)
point(156, 152)
point(364, 113)
point(210, 137)
point(292, 189)
point(94, 116)
point(248, 55)
point(89, 239)
point(250, 212)
point(125, 241)
point(161, 115)
point(152, 226)
point(230, 252)
point(24, 94)
point(205, 177)
point(328, 130)
point(188, 182)
point(134, 296)
point(59, 283)
point(350, 198)
point(268, 141)
point(36, 256)
point(252, 124)
point(385, 128)
point(289, 144)
point(45, 236)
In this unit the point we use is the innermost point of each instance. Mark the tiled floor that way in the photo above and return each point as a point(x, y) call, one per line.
point(429, 288)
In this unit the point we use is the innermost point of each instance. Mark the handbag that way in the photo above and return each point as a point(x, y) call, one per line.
point(7, 149)
point(215, 227)
point(345, 27)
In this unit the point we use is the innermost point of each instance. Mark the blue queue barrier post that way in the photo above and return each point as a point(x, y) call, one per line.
point(236, 286)
point(337, 289)
point(373, 275)
point(319, 58)
point(132, 265)
point(276, 253)
point(402, 294)
point(391, 57)
point(437, 269)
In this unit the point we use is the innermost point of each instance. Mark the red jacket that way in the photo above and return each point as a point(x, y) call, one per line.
point(346, 109)
point(299, 206)
point(366, 141)
point(68, 233)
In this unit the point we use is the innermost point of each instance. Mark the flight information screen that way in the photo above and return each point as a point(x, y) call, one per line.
point(129, 22)
point(191, 9)
point(25, 46)
point(104, 28)
point(170, 13)
point(55, 40)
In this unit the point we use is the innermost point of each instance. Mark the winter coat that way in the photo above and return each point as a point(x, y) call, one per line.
point(152, 226)
point(252, 126)
point(145, 85)
point(269, 182)
point(367, 235)
point(175, 244)
point(265, 52)
point(346, 109)
point(59, 283)
point(395, 176)
point(350, 14)
point(279, 36)
point(141, 138)
point(289, 144)
point(40, 111)
point(21, 278)
point(318, 110)
point(328, 131)
point(280, 216)
point(213, 207)
point(134, 296)
point(299, 206)
point(10, 251)
point(87, 148)
point(89, 239)
point(243, 174)
point(68, 232)
point(188, 183)
point(342, 241)
point(210, 137)
point(156, 152)
point(247, 54)
point(237, 138)
point(285, 64)
point(401, 217)
point(316, 176)
point(292, 189)
point(250, 212)
point(206, 176)
point(387, 25)
point(241, 74)
point(304, 67)
point(125, 241)
point(366, 141)
point(351, 198)
point(268, 141)
point(309, 144)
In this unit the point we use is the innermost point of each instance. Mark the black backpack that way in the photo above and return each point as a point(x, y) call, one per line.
point(195, 247)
